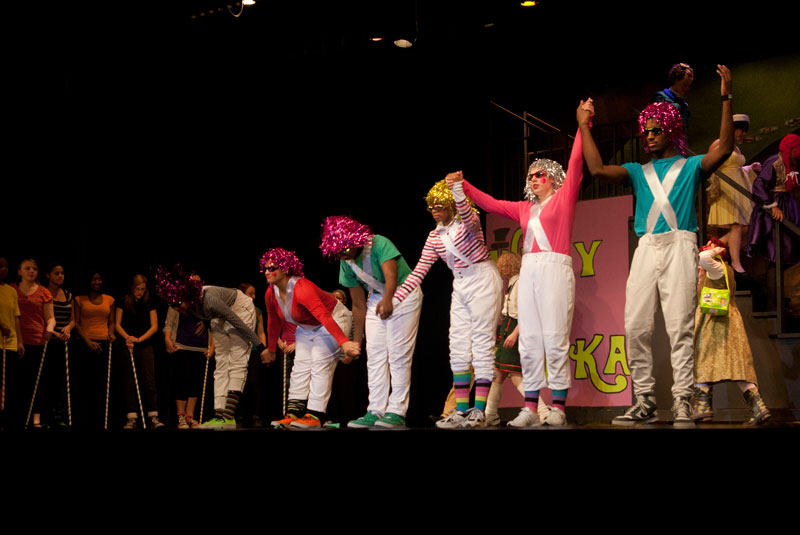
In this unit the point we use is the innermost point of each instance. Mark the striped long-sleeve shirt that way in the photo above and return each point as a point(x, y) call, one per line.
point(466, 235)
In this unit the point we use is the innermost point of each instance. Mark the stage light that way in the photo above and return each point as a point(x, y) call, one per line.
point(528, 3)
point(403, 43)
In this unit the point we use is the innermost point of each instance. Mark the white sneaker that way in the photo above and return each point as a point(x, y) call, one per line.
point(475, 418)
point(556, 417)
point(525, 418)
point(544, 410)
point(492, 419)
point(452, 420)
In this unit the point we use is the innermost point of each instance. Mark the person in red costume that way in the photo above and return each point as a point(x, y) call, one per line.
point(291, 298)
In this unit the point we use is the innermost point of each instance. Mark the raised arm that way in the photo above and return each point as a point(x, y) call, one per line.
point(610, 173)
point(719, 152)
point(484, 201)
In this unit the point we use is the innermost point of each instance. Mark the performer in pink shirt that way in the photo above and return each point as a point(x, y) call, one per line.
point(547, 282)
point(476, 299)
point(291, 298)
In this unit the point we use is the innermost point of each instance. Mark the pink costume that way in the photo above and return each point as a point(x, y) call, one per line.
point(547, 282)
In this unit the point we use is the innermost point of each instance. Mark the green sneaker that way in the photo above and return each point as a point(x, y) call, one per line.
point(219, 423)
point(366, 421)
point(392, 421)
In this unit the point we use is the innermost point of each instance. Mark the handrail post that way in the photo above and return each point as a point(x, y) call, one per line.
point(778, 278)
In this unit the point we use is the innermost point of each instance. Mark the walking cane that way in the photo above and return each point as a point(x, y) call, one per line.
point(203, 397)
point(108, 382)
point(69, 400)
point(136, 382)
point(36, 384)
point(285, 356)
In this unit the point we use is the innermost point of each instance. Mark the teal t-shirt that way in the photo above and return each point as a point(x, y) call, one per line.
point(382, 250)
point(681, 197)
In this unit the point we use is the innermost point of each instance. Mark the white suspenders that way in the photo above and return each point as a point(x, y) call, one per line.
point(535, 229)
point(661, 191)
point(365, 274)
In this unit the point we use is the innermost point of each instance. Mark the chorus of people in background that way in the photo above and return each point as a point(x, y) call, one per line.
point(521, 333)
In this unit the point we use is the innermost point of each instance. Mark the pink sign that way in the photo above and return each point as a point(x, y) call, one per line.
point(600, 374)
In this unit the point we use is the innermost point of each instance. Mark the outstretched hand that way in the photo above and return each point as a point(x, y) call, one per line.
point(452, 178)
point(726, 84)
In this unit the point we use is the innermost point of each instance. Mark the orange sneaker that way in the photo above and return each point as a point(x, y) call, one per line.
point(286, 421)
point(309, 421)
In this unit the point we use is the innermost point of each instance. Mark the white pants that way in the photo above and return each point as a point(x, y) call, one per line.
point(316, 356)
point(232, 350)
point(390, 349)
point(546, 300)
point(474, 313)
point(663, 271)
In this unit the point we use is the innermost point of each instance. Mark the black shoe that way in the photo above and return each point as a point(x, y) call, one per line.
point(643, 412)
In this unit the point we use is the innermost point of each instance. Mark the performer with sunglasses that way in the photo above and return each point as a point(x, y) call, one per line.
point(476, 298)
point(664, 267)
point(547, 282)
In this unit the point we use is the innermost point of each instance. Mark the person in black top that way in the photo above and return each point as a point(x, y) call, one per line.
point(136, 323)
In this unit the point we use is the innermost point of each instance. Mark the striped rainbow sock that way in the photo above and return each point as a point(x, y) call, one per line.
point(532, 399)
point(461, 384)
point(482, 387)
point(560, 399)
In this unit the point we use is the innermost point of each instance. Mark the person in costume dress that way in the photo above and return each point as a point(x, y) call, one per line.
point(663, 271)
point(371, 267)
point(729, 209)
point(506, 357)
point(770, 191)
point(721, 348)
point(291, 298)
point(476, 299)
point(547, 282)
point(232, 318)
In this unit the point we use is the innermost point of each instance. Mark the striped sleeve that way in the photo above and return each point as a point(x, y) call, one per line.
point(426, 260)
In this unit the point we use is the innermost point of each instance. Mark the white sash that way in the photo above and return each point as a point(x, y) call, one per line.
point(286, 307)
point(365, 275)
point(444, 234)
point(661, 191)
point(535, 229)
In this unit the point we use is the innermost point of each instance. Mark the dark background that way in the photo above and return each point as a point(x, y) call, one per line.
point(140, 135)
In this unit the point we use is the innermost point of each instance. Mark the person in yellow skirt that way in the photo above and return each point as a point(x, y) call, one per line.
point(730, 210)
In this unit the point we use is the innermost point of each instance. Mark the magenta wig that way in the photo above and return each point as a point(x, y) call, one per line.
point(340, 232)
point(669, 119)
point(285, 260)
point(175, 285)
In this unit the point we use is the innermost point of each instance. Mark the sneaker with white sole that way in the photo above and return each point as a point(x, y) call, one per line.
point(182, 423)
point(452, 420)
point(642, 412)
point(365, 422)
point(475, 418)
point(556, 418)
point(391, 421)
point(525, 418)
point(492, 418)
point(682, 412)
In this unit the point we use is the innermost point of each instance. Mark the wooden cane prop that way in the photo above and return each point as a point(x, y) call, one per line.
point(203, 397)
point(69, 399)
point(136, 383)
point(36, 384)
point(285, 356)
point(108, 382)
